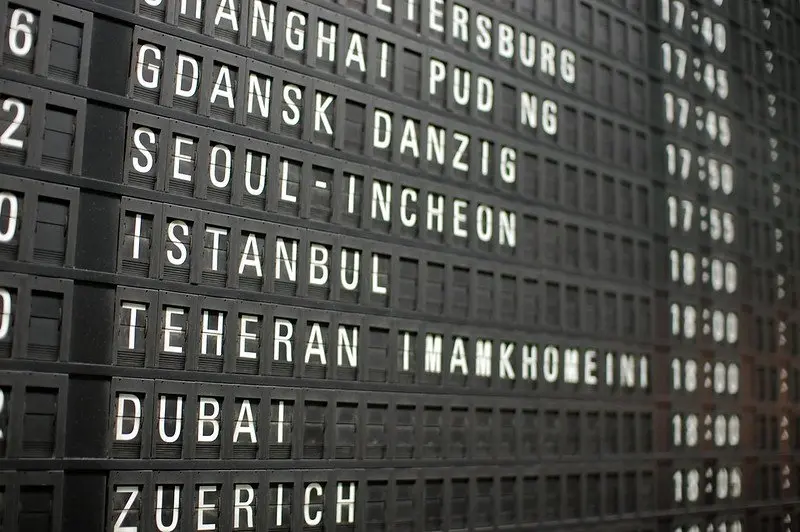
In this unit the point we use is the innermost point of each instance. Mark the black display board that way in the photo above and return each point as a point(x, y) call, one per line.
point(421, 265)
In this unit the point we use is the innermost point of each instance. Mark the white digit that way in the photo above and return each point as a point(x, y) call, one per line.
point(686, 162)
point(677, 430)
point(692, 485)
point(722, 483)
point(683, 110)
point(728, 228)
point(707, 30)
point(722, 83)
point(724, 131)
point(713, 174)
point(690, 375)
point(689, 322)
point(674, 257)
point(7, 138)
point(2, 407)
point(717, 275)
point(733, 379)
point(691, 430)
point(688, 210)
point(677, 479)
point(731, 277)
point(669, 107)
point(720, 37)
point(720, 431)
point(720, 376)
point(19, 27)
point(675, 311)
point(675, 156)
point(672, 162)
point(732, 328)
point(734, 431)
point(672, 204)
point(718, 329)
point(676, 374)
point(680, 11)
point(5, 317)
point(715, 229)
point(688, 269)
point(665, 11)
point(710, 78)
point(727, 179)
point(683, 58)
point(7, 234)
point(736, 482)
point(711, 124)
point(666, 57)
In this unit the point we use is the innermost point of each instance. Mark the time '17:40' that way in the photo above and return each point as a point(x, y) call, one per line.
point(676, 14)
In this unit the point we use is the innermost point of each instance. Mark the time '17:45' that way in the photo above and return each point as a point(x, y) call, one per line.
point(678, 112)
point(694, 73)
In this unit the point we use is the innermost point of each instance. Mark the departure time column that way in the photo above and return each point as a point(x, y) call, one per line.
point(702, 263)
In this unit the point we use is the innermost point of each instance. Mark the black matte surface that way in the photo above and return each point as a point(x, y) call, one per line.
point(573, 309)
